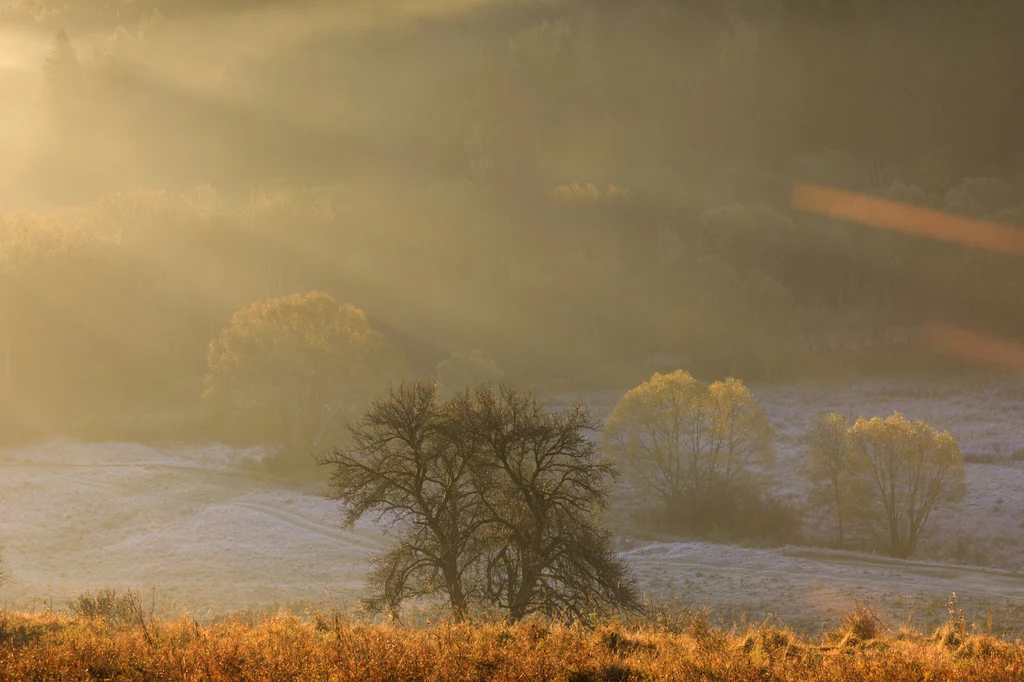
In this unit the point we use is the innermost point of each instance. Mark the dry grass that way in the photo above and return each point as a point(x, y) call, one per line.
point(328, 646)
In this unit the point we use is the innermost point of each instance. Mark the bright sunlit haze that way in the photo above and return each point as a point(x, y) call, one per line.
point(511, 339)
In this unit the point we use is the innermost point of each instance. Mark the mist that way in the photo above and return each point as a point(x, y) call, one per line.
point(227, 227)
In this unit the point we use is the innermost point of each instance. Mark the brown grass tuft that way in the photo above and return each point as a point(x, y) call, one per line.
point(863, 624)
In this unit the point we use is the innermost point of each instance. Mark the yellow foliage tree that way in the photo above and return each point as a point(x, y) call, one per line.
point(910, 469)
point(688, 442)
point(299, 363)
point(834, 470)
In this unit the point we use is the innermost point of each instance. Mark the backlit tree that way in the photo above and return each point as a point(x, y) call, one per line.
point(687, 442)
point(910, 469)
point(301, 364)
point(492, 501)
point(834, 469)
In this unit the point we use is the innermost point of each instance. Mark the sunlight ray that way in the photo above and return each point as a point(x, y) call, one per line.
point(913, 220)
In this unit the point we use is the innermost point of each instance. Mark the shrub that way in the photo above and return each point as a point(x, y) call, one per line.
point(461, 371)
point(863, 623)
point(744, 511)
point(118, 609)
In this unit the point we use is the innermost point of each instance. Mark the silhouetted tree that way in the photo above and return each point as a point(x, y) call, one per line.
point(410, 465)
point(543, 485)
point(493, 500)
point(62, 72)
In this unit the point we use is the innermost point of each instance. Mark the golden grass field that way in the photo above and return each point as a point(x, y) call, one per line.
point(330, 646)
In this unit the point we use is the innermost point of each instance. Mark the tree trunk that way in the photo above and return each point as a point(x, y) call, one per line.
point(524, 596)
point(456, 595)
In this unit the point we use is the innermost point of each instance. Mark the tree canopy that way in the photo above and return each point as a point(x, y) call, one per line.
point(688, 442)
point(302, 362)
point(834, 469)
point(911, 469)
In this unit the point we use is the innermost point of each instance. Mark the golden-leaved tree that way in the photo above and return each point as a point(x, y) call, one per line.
point(297, 366)
point(836, 474)
point(909, 469)
point(689, 443)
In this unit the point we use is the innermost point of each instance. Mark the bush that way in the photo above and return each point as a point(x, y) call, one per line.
point(759, 515)
point(22, 632)
point(460, 371)
point(863, 623)
point(738, 512)
point(118, 609)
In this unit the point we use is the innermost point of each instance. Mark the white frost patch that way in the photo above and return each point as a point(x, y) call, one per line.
point(65, 451)
point(210, 534)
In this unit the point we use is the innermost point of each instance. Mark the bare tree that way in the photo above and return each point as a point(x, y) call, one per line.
point(493, 501)
point(543, 486)
point(410, 466)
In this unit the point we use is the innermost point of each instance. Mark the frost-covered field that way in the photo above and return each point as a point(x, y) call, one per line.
point(211, 535)
point(206, 533)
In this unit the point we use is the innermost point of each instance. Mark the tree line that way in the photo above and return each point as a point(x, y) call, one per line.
point(109, 307)
point(493, 501)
